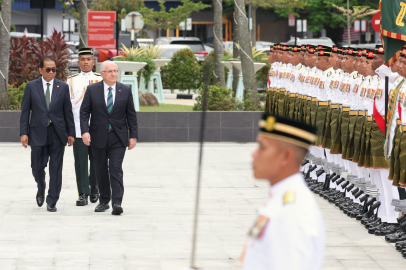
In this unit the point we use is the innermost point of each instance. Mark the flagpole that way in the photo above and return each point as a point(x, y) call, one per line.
point(199, 171)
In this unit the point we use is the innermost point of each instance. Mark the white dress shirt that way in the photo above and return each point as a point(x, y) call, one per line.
point(106, 92)
point(44, 85)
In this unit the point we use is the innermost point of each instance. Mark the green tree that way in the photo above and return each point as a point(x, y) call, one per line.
point(183, 72)
point(162, 19)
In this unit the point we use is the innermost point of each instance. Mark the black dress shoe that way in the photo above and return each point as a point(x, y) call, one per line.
point(398, 236)
point(379, 227)
point(94, 194)
point(117, 210)
point(391, 228)
point(51, 208)
point(400, 245)
point(40, 199)
point(82, 200)
point(101, 207)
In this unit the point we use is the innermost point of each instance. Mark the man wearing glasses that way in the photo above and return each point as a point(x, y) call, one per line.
point(113, 127)
point(47, 124)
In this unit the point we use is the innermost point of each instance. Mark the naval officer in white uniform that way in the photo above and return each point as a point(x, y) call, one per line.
point(288, 233)
point(85, 178)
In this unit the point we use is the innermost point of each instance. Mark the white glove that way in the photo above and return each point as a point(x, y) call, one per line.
point(383, 71)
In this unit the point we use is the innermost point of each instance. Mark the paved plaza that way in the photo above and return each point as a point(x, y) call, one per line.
point(156, 228)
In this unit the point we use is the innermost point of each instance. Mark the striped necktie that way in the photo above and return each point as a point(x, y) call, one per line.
point(48, 99)
point(110, 104)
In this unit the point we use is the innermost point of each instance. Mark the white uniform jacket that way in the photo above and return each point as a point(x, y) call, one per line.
point(289, 232)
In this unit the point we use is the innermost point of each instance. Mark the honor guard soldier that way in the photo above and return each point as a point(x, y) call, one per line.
point(279, 239)
point(86, 182)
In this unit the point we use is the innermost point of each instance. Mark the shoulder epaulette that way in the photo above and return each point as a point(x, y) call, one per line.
point(76, 74)
point(97, 74)
point(289, 197)
point(329, 73)
point(355, 75)
point(299, 67)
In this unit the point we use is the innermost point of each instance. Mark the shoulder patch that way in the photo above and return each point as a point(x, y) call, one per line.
point(289, 197)
point(97, 74)
point(355, 76)
point(76, 74)
point(329, 73)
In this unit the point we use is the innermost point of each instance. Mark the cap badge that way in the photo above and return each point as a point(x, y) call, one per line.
point(270, 121)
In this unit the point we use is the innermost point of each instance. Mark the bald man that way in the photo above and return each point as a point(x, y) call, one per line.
point(289, 231)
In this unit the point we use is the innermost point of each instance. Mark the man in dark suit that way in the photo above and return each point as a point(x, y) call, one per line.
point(113, 127)
point(47, 131)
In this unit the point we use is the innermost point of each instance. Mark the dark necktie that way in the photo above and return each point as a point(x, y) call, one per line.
point(48, 99)
point(110, 104)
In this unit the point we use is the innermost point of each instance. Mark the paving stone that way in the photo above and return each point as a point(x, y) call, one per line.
point(155, 231)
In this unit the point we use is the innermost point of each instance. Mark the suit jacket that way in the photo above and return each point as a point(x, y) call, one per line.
point(60, 112)
point(123, 117)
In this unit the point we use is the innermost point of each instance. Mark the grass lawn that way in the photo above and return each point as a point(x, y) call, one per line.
point(166, 108)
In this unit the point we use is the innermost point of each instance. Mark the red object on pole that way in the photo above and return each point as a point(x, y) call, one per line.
point(376, 22)
point(100, 30)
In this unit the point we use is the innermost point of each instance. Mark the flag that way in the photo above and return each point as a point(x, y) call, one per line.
point(393, 28)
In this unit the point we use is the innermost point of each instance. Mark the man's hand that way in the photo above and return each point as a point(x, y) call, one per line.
point(71, 140)
point(131, 143)
point(24, 140)
point(86, 138)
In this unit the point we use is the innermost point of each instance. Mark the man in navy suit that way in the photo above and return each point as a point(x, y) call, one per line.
point(113, 127)
point(47, 124)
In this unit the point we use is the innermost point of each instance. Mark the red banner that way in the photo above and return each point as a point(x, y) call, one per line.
point(100, 29)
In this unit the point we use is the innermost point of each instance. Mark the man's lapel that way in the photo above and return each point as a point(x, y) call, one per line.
point(40, 89)
point(101, 95)
point(55, 93)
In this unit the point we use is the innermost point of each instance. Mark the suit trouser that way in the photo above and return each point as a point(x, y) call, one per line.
point(82, 153)
point(54, 151)
point(109, 171)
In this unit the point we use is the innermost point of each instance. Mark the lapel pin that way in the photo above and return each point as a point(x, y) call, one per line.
point(119, 90)
point(57, 86)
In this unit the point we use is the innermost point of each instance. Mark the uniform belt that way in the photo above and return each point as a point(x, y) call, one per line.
point(282, 90)
point(398, 122)
point(340, 105)
point(403, 129)
point(361, 112)
point(297, 95)
point(304, 97)
point(354, 112)
point(322, 103)
point(334, 106)
point(309, 98)
point(346, 109)
point(292, 95)
point(369, 118)
point(269, 89)
point(314, 99)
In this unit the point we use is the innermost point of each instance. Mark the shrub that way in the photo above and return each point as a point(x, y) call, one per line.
point(26, 53)
point(218, 99)
point(137, 55)
point(15, 96)
point(183, 72)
